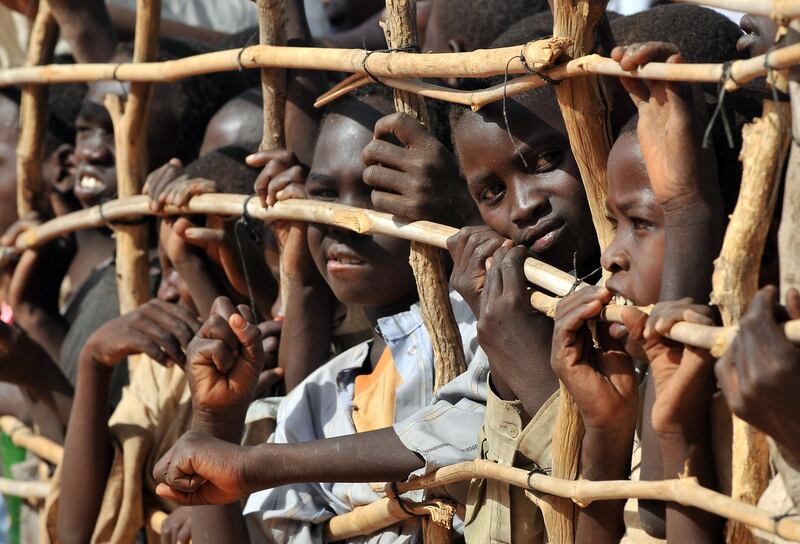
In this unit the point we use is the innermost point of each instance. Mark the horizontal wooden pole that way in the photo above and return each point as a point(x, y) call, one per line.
point(685, 491)
point(394, 66)
point(23, 436)
point(359, 220)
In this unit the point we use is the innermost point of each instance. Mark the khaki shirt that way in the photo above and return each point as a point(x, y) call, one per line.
point(497, 512)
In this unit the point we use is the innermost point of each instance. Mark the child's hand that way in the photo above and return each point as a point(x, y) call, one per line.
point(177, 528)
point(680, 171)
point(514, 336)
point(225, 360)
point(760, 372)
point(168, 187)
point(271, 375)
point(602, 382)
point(419, 178)
point(201, 469)
point(471, 248)
point(682, 375)
point(160, 330)
point(282, 176)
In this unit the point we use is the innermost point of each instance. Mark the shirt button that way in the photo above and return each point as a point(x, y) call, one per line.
point(412, 350)
point(512, 432)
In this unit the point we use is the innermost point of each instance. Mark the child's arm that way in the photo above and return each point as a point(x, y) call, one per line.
point(309, 304)
point(86, 26)
point(225, 359)
point(684, 179)
point(418, 179)
point(515, 337)
point(158, 329)
point(683, 380)
point(605, 390)
point(760, 372)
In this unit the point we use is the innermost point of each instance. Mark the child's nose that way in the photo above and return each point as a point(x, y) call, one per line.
point(614, 258)
point(93, 149)
point(528, 206)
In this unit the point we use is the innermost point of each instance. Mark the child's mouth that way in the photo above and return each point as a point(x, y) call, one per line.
point(89, 185)
point(341, 262)
point(545, 238)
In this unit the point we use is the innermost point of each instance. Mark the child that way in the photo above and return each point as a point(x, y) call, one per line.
point(664, 200)
point(108, 461)
point(388, 379)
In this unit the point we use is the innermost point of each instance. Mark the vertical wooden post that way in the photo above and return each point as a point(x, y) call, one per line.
point(272, 31)
point(33, 116)
point(585, 113)
point(789, 232)
point(427, 262)
point(735, 281)
point(130, 117)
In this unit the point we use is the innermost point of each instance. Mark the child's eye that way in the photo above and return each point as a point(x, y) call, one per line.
point(547, 161)
point(612, 221)
point(322, 193)
point(494, 191)
point(640, 224)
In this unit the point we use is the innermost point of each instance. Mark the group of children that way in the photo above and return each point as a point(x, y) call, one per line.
point(282, 373)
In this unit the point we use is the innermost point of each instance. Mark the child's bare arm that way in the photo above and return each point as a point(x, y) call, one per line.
point(683, 380)
point(158, 329)
point(604, 387)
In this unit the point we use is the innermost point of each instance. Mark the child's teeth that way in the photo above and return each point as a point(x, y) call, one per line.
point(89, 182)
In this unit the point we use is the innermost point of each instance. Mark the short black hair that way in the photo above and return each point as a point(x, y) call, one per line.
point(227, 167)
point(197, 98)
point(63, 105)
point(477, 23)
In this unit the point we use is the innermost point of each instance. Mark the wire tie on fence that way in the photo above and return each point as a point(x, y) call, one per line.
point(719, 109)
point(247, 44)
point(407, 49)
point(505, 110)
point(400, 500)
point(777, 518)
point(246, 226)
point(536, 470)
point(775, 98)
point(537, 73)
point(121, 83)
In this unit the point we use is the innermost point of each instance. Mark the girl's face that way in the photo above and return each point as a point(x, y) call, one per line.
point(531, 194)
point(635, 257)
point(365, 270)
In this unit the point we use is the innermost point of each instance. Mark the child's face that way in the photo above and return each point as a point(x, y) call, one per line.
point(365, 270)
point(96, 170)
point(542, 206)
point(636, 255)
point(172, 288)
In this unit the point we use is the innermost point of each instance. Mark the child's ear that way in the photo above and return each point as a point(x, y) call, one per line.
point(56, 167)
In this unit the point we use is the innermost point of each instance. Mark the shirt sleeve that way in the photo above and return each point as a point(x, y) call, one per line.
point(446, 432)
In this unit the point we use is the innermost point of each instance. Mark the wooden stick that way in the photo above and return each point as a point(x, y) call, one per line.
point(24, 489)
point(789, 231)
point(22, 436)
point(735, 281)
point(130, 136)
point(33, 116)
point(427, 262)
point(480, 63)
point(774, 9)
point(685, 491)
point(585, 112)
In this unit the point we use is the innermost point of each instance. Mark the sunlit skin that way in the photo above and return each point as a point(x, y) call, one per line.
point(96, 172)
point(542, 205)
point(366, 270)
point(635, 256)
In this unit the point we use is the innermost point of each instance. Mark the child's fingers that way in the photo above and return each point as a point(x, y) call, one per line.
point(388, 154)
point(665, 315)
point(292, 191)
point(390, 203)
point(582, 297)
point(793, 303)
point(283, 180)
point(249, 337)
point(140, 342)
point(246, 312)
point(634, 321)
point(216, 327)
point(270, 328)
point(483, 251)
point(728, 379)
point(268, 379)
point(511, 267)
point(386, 179)
point(262, 158)
point(403, 127)
point(223, 307)
point(204, 235)
point(163, 338)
